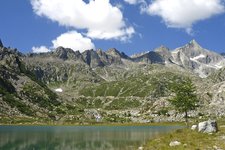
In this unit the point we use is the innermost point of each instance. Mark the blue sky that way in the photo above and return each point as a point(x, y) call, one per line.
point(131, 26)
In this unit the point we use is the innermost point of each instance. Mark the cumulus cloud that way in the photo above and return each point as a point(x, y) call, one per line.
point(184, 13)
point(98, 17)
point(74, 41)
point(41, 49)
point(71, 39)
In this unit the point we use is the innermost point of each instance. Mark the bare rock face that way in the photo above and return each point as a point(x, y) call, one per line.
point(165, 53)
point(67, 53)
point(201, 61)
point(209, 126)
point(150, 58)
point(92, 58)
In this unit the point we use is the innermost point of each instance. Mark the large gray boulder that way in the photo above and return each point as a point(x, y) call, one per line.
point(209, 126)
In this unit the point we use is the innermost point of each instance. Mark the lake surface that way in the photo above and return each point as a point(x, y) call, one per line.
point(78, 137)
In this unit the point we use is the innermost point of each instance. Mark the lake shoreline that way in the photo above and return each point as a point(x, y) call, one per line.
point(189, 139)
point(97, 124)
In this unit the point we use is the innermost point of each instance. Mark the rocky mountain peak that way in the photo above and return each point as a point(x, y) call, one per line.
point(1, 44)
point(113, 52)
point(193, 44)
point(62, 49)
point(67, 53)
point(164, 52)
point(162, 48)
point(92, 58)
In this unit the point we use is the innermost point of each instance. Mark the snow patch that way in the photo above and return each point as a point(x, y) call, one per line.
point(218, 66)
point(197, 57)
point(59, 90)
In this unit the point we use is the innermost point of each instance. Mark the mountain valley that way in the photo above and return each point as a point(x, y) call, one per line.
point(108, 86)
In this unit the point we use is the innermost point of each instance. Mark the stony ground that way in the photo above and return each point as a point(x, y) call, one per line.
point(190, 140)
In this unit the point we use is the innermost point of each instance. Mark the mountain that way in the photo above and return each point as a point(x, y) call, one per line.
point(21, 94)
point(201, 61)
point(165, 53)
point(69, 86)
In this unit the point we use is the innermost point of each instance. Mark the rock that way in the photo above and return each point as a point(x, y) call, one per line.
point(174, 143)
point(194, 127)
point(209, 126)
point(59, 90)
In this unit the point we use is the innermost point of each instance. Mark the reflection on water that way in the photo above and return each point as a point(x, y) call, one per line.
point(77, 137)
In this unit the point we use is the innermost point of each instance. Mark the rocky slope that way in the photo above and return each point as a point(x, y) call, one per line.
point(20, 93)
point(67, 85)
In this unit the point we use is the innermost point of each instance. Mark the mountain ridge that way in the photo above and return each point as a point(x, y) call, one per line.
point(108, 83)
point(190, 56)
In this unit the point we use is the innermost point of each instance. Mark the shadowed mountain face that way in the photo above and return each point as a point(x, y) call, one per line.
point(64, 83)
point(1, 45)
point(223, 54)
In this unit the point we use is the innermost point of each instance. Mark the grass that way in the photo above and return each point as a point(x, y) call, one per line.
point(190, 140)
point(141, 86)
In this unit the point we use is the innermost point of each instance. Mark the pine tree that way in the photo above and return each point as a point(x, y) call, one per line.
point(185, 97)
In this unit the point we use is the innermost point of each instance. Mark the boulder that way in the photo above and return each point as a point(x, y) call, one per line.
point(209, 126)
point(174, 143)
point(194, 127)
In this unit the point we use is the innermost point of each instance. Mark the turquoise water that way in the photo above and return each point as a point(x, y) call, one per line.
point(78, 137)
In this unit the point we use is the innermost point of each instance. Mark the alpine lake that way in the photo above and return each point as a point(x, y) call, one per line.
point(79, 137)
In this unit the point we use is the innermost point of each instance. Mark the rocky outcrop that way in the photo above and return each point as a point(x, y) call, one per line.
point(149, 58)
point(165, 53)
point(92, 58)
point(209, 126)
point(115, 53)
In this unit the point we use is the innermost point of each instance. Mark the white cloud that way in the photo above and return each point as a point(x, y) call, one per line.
point(74, 41)
point(71, 39)
point(41, 49)
point(133, 2)
point(98, 17)
point(184, 13)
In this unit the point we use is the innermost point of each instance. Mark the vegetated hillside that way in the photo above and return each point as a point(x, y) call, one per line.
point(21, 94)
point(70, 86)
